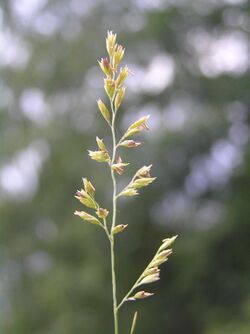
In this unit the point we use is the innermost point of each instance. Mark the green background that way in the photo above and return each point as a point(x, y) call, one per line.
point(190, 62)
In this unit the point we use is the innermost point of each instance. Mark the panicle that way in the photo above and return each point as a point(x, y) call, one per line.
point(115, 77)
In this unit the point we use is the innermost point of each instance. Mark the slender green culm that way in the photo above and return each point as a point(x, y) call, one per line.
point(114, 79)
point(134, 323)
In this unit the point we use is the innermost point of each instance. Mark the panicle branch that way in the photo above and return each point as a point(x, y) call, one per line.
point(151, 273)
point(142, 178)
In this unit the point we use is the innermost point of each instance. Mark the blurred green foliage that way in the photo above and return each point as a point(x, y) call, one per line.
point(190, 61)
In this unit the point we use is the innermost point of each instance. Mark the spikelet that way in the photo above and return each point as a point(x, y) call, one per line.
point(104, 110)
point(87, 217)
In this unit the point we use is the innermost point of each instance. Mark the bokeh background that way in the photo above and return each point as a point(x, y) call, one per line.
point(190, 60)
